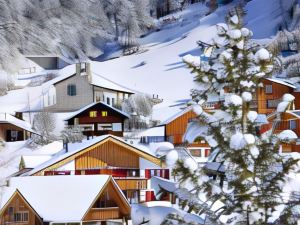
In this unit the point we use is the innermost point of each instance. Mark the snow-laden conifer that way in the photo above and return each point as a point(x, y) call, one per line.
point(248, 177)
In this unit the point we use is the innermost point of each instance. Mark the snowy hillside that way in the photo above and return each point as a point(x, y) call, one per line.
point(160, 69)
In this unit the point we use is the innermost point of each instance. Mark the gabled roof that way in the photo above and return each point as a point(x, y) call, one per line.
point(77, 149)
point(282, 82)
point(7, 118)
point(175, 116)
point(295, 113)
point(74, 114)
point(32, 161)
point(97, 80)
point(9, 195)
point(60, 198)
point(101, 81)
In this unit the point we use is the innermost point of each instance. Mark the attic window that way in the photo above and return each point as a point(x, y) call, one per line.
point(93, 114)
point(104, 113)
point(21, 217)
point(71, 89)
point(269, 89)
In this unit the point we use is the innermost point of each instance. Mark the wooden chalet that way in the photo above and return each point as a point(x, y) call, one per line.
point(14, 129)
point(98, 119)
point(173, 130)
point(130, 165)
point(289, 120)
point(63, 200)
point(270, 95)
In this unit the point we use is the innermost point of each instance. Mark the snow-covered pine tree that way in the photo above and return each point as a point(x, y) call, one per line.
point(254, 189)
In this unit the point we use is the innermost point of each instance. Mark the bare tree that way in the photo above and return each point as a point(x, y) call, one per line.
point(44, 125)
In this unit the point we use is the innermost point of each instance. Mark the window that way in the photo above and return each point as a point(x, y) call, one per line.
point(104, 113)
point(104, 126)
point(71, 89)
point(93, 114)
point(108, 101)
point(269, 89)
point(87, 127)
point(117, 126)
point(195, 152)
point(293, 125)
point(21, 217)
point(14, 134)
point(112, 101)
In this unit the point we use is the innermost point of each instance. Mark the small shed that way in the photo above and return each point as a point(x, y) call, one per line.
point(14, 129)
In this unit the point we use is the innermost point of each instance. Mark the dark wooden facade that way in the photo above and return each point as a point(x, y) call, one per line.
point(18, 211)
point(10, 132)
point(103, 119)
point(269, 96)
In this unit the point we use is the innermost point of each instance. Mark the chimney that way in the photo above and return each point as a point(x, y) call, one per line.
point(88, 71)
point(78, 69)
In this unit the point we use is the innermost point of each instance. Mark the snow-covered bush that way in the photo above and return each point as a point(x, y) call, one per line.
point(141, 104)
point(72, 134)
point(44, 124)
point(252, 189)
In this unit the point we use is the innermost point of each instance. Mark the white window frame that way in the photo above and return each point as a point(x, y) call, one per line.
point(104, 126)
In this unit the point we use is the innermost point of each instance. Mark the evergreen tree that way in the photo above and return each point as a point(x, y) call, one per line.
point(254, 187)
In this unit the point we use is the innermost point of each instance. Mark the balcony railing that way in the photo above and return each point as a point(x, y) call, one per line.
point(97, 214)
point(116, 172)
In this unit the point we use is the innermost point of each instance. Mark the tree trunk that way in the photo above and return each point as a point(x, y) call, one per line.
point(117, 27)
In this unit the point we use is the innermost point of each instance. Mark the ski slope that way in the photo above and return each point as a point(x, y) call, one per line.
point(160, 70)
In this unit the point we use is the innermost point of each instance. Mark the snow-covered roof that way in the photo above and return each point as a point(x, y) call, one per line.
point(175, 116)
point(7, 118)
point(58, 198)
point(282, 82)
point(215, 166)
point(158, 184)
point(100, 81)
point(261, 119)
point(97, 80)
point(153, 132)
point(295, 113)
point(194, 130)
point(74, 148)
point(32, 161)
point(93, 104)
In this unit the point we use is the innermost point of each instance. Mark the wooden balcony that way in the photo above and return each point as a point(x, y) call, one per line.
point(97, 214)
point(132, 184)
